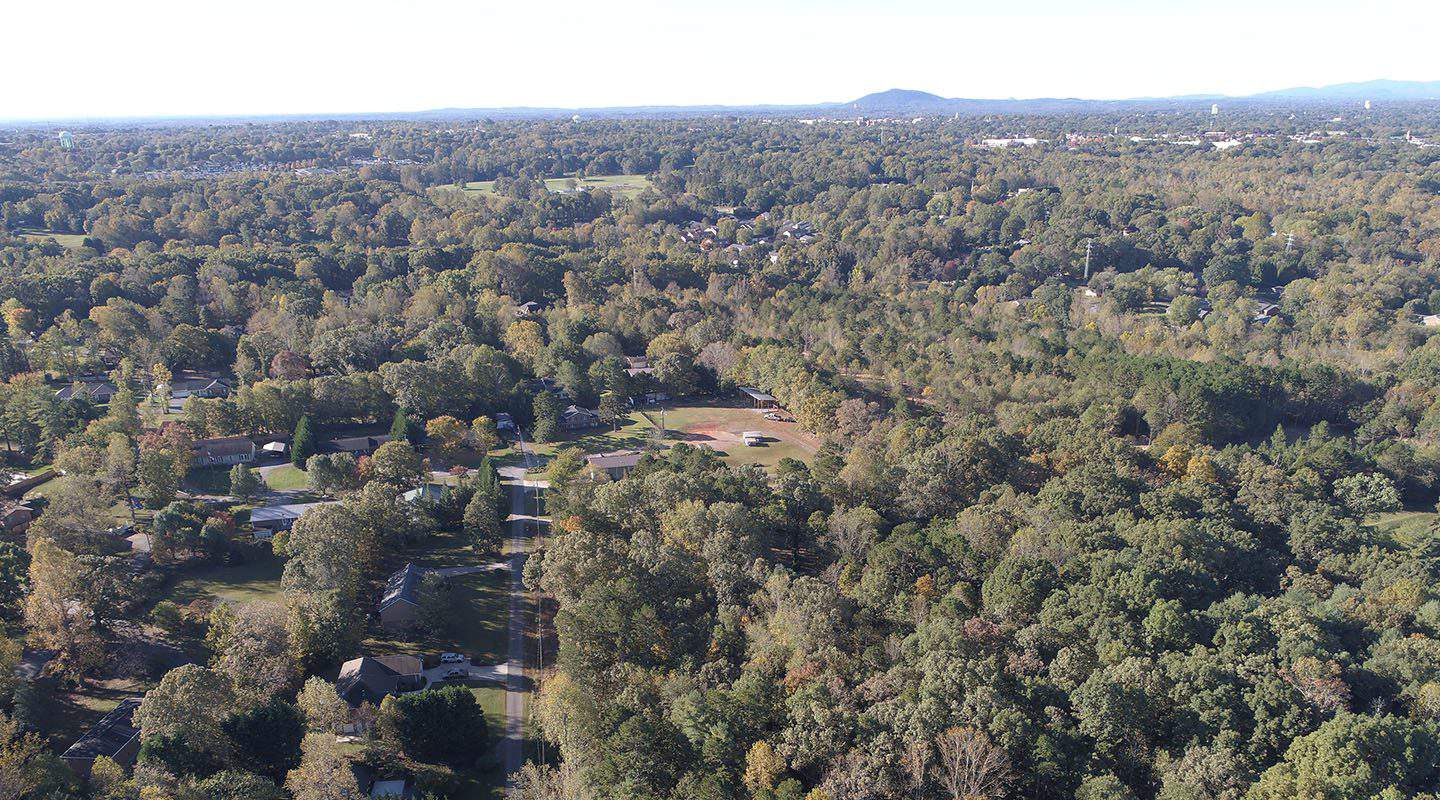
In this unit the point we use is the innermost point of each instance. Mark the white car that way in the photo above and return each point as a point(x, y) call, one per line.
point(452, 658)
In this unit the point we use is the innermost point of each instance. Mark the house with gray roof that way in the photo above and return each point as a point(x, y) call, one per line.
point(369, 679)
point(616, 464)
point(400, 605)
point(115, 736)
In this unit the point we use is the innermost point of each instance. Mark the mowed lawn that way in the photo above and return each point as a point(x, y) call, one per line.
point(287, 478)
point(623, 185)
point(254, 581)
point(67, 240)
point(478, 627)
point(633, 432)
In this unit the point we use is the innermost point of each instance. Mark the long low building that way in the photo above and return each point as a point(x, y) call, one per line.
point(115, 736)
point(615, 464)
point(281, 517)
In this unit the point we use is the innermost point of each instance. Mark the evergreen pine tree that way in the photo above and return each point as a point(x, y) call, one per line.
point(303, 445)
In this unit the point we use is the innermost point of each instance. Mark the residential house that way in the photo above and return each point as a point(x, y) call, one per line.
point(115, 736)
point(187, 384)
point(429, 492)
point(505, 422)
point(269, 520)
point(369, 679)
point(355, 445)
point(527, 308)
point(636, 366)
point(223, 451)
point(1266, 312)
point(15, 517)
point(615, 464)
point(1430, 320)
point(95, 389)
point(575, 418)
point(400, 605)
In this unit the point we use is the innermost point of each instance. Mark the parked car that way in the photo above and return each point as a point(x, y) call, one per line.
point(452, 658)
point(457, 673)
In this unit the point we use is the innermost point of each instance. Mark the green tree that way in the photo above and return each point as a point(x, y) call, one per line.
point(443, 725)
point(303, 445)
point(547, 417)
point(244, 482)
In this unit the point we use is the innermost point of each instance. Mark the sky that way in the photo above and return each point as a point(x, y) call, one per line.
point(65, 59)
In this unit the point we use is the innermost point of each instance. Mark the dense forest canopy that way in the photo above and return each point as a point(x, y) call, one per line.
point(1109, 428)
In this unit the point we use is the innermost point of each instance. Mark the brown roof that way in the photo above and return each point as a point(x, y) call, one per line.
point(224, 446)
point(616, 460)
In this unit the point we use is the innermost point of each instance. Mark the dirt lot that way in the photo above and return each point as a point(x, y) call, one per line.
point(720, 426)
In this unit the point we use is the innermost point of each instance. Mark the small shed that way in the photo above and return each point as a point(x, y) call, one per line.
point(761, 399)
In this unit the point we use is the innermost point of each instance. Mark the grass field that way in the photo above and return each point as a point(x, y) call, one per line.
point(482, 603)
point(1408, 527)
point(208, 480)
point(251, 582)
point(69, 240)
point(719, 426)
point(623, 185)
point(287, 478)
point(634, 432)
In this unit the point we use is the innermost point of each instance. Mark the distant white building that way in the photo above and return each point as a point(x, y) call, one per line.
point(1019, 141)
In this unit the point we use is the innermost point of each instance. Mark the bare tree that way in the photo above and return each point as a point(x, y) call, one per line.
point(971, 767)
point(917, 762)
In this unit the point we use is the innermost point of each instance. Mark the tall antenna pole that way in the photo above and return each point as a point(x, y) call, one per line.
point(1289, 241)
point(1088, 243)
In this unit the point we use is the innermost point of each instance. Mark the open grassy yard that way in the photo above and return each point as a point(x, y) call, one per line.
point(68, 240)
point(286, 478)
point(250, 582)
point(208, 480)
point(719, 427)
point(481, 602)
point(62, 715)
point(1408, 527)
point(623, 185)
point(634, 432)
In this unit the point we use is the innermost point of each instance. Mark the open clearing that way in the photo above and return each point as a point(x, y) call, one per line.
point(1407, 526)
point(719, 427)
point(623, 185)
point(251, 582)
point(68, 240)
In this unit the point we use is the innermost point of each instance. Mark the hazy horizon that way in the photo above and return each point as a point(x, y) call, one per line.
point(269, 58)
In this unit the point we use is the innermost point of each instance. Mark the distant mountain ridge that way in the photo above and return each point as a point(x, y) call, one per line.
point(1364, 90)
point(902, 102)
point(914, 101)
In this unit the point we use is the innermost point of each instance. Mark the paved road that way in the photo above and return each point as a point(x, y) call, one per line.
point(521, 505)
point(455, 572)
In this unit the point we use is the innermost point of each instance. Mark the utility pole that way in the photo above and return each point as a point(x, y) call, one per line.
point(1088, 244)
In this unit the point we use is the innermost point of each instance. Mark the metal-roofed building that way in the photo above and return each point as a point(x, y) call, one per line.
point(115, 736)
